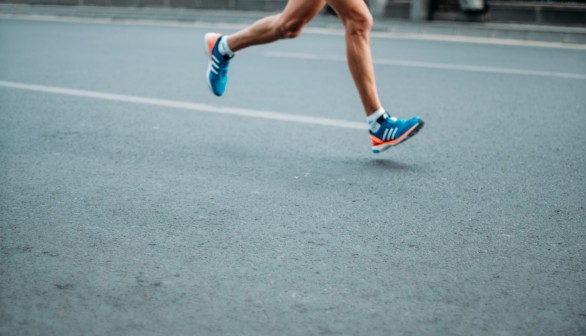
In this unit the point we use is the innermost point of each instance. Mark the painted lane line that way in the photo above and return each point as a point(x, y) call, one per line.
point(425, 36)
point(333, 31)
point(432, 65)
point(186, 105)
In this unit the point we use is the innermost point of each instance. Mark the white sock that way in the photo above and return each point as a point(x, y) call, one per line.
point(223, 47)
point(371, 119)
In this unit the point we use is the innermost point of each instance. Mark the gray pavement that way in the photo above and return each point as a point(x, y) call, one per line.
point(124, 218)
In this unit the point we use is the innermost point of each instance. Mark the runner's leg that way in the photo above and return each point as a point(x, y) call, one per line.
point(385, 131)
point(287, 24)
point(357, 21)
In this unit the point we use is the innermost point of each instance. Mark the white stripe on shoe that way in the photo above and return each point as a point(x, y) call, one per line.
point(384, 137)
point(394, 133)
point(390, 135)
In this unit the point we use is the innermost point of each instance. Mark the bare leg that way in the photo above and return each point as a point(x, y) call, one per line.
point(287, 24)
point(358, 22)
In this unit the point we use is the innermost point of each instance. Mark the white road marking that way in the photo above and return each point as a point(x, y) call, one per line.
point(308, 30)
point(187, 105)
point(431, 65)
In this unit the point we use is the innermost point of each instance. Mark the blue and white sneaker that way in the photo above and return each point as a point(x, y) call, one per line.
point(217, 73)
point(393, 131)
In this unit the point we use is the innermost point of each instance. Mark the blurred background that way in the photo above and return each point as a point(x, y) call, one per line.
point(558, 12)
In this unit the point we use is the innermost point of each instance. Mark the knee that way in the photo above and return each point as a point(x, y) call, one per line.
point(289, 28)
point(359, 22)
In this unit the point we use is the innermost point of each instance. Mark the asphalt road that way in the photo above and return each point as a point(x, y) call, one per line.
point(122, 218)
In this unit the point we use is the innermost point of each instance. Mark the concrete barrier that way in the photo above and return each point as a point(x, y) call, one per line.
point(538, 13)
point(568, 14)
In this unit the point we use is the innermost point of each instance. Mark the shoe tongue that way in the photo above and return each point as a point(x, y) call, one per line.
point(386, 117)
point(382, 118)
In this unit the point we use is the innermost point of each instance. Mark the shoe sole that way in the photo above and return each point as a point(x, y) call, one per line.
point(208, 52)
point(414, 130)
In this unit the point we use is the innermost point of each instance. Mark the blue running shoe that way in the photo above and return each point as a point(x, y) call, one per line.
point(393, 131)
point(217, 73)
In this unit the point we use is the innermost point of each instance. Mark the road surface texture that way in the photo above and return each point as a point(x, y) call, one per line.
point(134, 202)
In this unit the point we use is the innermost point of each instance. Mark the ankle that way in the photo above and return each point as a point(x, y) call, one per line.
point(373, 119)
point(224, 48)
